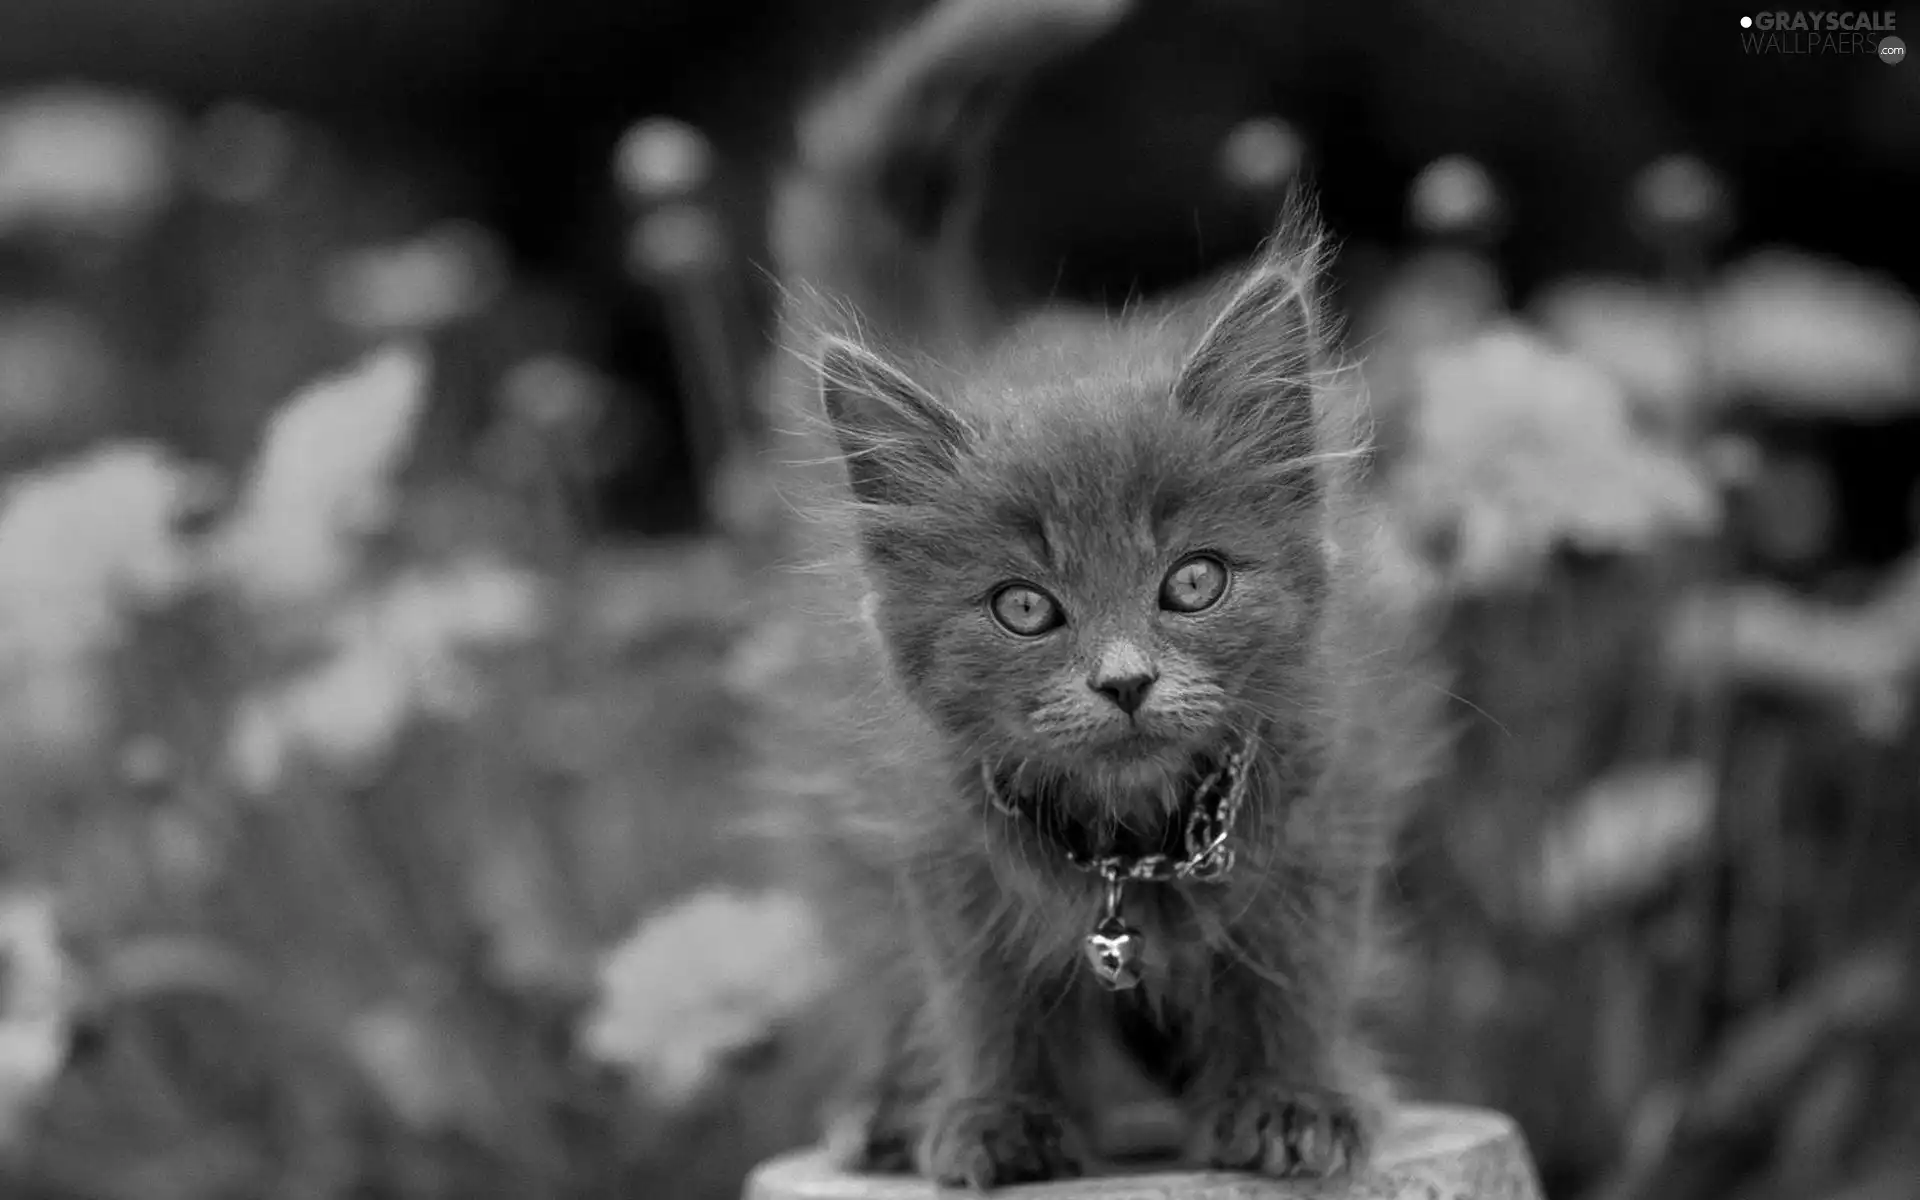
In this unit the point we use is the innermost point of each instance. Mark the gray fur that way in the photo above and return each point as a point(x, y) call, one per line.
point(939, 449)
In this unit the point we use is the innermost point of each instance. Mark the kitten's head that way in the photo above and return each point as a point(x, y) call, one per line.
point(1104, 559)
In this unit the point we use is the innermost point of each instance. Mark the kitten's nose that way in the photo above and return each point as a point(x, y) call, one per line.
point(1127, 691)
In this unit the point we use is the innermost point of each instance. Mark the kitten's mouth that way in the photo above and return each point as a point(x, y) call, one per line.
point(1140, 809)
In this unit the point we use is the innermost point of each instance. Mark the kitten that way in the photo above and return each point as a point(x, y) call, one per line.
point(1071, 566)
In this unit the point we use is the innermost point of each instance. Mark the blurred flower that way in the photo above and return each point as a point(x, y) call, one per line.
point(660, 158)
point(414, 1066)
point(1783, 328)
point(1862, 659)
point(1643, 337)
point(55, 372)
point(37, 993)
point(81, 158)
point(393, 654)
point(347, 713)
point(323, 482)
point(1436, 299)
point(1518, 450)
point(1455, 195)
point(1262, 155)
point(705, 979)
point(83, 544)
point(1680, 200)
point(1809, 333)
point(1625, 838)
point(424, 614)
point(83, 541)
point(447, 273)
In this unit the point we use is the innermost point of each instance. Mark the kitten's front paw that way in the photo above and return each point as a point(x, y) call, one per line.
point(1284, 1131)
point(984, 1144)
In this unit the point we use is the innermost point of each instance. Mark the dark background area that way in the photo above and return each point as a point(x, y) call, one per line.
point(518, 105)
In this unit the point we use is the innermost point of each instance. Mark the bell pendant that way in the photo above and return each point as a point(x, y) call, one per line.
point(1114, 951)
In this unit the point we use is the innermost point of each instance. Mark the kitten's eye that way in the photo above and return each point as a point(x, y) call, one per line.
point(1194, 585)
point(1025, 610)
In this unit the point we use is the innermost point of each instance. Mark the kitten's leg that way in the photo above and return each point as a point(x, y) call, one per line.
point(1281, 1084)
point(999, 1115)
point(876, 1124)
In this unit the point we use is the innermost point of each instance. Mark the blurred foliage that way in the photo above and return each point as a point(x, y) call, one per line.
point(373, 824)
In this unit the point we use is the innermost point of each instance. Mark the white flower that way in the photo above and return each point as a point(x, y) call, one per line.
point(392, 654)
point(37, 991)
point(1650, 341)
point(706, 978)
point(346, 713)
point(84, 545)
point(425, 614)
point(74, 157)
point(1625, 837)
point(415, 1066)
point(323, 481)
point(660, 157)
point(1779, 327)
point(447, 273)
point(1518, 449)
point(85, 541)
point(1862, 658)
point(1809, 332)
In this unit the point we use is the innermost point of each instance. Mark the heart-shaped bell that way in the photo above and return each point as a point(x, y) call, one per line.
point(1113, 951)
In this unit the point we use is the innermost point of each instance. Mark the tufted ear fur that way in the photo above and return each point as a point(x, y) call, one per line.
point(897, 439)
point(1252, 371)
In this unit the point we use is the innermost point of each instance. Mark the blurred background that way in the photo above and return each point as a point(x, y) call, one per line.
point(376, 565)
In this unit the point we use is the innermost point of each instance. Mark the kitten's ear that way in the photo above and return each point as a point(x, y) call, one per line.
point(897, 438)
point(1252, 370)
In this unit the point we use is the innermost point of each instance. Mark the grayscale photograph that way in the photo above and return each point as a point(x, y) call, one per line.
point(924, 599)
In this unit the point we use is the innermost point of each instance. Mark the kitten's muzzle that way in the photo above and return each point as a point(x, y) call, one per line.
point(1128, 691)
point(1124, 673)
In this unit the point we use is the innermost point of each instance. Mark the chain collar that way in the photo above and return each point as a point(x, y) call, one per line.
point(1205, 855)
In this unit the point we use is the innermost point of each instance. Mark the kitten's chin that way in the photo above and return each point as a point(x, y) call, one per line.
point(1152, 770)
point(1138, 780)
point(1141, 747)
point(1134, 746)
point(1134, 773)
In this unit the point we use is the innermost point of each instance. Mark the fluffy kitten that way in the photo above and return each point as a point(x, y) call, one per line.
point(1070, 563)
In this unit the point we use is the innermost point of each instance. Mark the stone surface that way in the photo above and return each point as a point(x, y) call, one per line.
point(1431, 1153)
